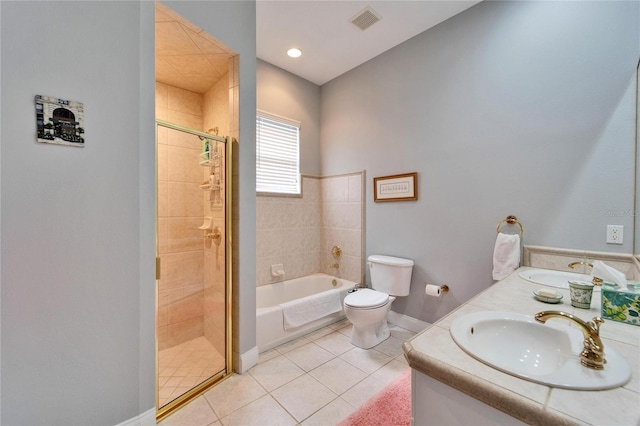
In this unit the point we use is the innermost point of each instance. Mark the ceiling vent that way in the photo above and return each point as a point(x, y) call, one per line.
point(365, 18)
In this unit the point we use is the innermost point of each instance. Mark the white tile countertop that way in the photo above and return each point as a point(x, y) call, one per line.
point(434, 353)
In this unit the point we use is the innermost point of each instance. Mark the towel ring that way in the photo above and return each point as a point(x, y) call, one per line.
point(511, 220)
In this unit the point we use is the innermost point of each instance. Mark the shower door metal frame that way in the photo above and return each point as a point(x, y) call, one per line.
point(164, 411)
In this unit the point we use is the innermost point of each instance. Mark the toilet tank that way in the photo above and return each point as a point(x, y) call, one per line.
point(391, 275)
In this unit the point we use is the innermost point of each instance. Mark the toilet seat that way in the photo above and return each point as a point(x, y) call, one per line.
point(366, 299)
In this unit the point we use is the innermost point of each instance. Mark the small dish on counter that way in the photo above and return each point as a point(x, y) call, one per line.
point(546, 299)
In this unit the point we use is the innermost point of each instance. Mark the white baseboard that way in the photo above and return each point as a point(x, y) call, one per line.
point(248, 360)
point(406, 322)
point(148, 418)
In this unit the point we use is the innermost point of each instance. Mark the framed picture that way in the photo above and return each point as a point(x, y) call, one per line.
point(396, 188)
point(59, 121)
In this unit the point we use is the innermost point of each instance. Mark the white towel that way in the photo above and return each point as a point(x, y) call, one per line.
point(506, 255)
point(607, 273)
point(302, 311)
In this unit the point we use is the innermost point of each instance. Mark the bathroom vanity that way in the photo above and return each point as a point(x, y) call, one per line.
point(451, 387)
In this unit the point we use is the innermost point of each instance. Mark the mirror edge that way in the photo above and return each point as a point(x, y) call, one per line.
point(636, 224)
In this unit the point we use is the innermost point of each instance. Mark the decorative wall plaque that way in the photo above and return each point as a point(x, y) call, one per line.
point(59, 121)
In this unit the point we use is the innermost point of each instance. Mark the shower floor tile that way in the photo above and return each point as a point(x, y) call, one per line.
point(183, 366)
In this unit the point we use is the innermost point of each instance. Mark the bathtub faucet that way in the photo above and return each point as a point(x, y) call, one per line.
point(335, 266)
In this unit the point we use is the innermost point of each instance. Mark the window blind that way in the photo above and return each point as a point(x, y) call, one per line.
point(277, 154)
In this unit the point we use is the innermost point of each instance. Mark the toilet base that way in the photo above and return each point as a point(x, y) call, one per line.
point(370, 335)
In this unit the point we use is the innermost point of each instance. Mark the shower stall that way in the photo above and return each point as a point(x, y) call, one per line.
point(193, 263)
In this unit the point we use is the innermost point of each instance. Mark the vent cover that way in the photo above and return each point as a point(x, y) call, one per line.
point(365, 18)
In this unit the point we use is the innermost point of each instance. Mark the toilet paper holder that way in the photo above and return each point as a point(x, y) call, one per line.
point(443, 288)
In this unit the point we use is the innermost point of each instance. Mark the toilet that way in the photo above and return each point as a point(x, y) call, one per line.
point(367, 308)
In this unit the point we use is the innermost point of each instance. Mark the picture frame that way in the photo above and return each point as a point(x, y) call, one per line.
point(403, 187)
point(59, 121)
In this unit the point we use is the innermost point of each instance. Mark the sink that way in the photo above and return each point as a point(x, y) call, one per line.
point(548, 353)
point(551, 278)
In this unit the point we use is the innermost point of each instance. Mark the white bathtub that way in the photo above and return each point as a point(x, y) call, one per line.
point(269, 322)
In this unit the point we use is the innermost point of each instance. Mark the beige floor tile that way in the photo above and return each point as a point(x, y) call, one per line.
point(309, 356)
point(275, 372)
point(401, 333)
point(346, 330)
point(173, 382)
point(360, 393)
point(266, 356)
point(261, 412)
point(319, 333)
point(190, 381)
point(367, 360)
point(331, 414)
point(402, 359)
point(390, 371)
point(196, 413)
point(336, 343)
point(295, 383)
point(234, 393)
point(392, 347)
point(338, 375)
point(339, 324)
point(303, 404)
point(289, 346)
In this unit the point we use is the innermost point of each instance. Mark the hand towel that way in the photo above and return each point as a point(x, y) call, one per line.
point(607, 273)
point(506, 255)
point(302, 311)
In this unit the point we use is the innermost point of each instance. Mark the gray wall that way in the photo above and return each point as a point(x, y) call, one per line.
point(71, 305)
point(78, 231)
point(282, 93)
point(522, 108)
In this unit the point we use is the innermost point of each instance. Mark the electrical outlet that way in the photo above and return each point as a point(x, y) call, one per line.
point(615, 234)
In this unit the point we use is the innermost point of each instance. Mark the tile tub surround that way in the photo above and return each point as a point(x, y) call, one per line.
point(299, 232)
point(434, 353)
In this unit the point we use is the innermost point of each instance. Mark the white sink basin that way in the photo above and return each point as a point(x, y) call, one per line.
point(551, 278)
point(548, 353)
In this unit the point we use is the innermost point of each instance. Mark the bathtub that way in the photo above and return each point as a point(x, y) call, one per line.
point(269, 321)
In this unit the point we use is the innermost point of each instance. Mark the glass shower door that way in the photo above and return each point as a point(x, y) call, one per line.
point(193, 291)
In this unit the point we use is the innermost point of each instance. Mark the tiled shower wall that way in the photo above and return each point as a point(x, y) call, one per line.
point(217, 105)
point(300, 232)
point(180, 288)
point(191, 288)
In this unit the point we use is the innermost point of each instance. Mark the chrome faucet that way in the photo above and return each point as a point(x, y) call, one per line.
point(592, 355)
point(596, 280)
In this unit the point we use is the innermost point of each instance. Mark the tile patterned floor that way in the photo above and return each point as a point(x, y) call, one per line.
point(183, 366)
point(318, 379)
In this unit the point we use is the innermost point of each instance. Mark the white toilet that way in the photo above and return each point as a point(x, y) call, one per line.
point(367, 308)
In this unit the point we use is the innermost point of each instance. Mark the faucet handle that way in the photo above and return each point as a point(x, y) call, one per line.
point(596, 322)
point(596, 280)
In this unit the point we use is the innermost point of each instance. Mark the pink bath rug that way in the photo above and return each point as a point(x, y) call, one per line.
point(389, 407)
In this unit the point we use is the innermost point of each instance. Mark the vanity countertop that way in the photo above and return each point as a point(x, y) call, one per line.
point(434, 353)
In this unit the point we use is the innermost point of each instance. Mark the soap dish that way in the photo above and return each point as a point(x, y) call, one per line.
point(546, 299)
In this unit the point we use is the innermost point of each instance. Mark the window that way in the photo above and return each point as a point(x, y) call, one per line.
point(277, 154)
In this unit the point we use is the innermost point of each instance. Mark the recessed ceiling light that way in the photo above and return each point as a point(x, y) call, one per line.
point(294, 53)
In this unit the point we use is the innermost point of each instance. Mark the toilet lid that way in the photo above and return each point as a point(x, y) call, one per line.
point(366, 298)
